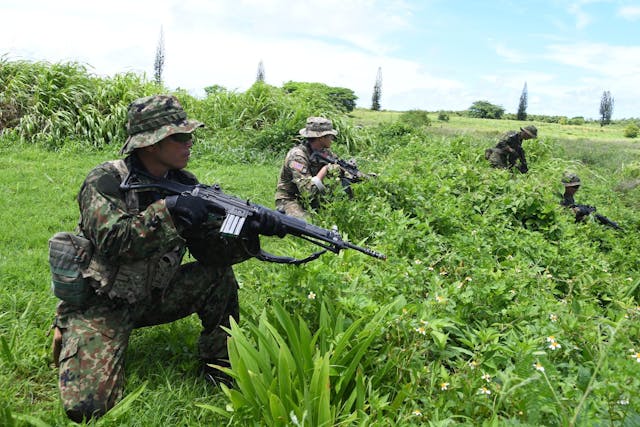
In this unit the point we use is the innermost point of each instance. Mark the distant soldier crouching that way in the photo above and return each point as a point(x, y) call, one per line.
point(508, 151)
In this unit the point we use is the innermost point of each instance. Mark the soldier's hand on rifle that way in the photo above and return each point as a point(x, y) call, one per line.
point(268, 224)
point(333, 170)
point(190, 211)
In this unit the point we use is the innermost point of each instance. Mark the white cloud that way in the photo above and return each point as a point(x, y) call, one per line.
point(608, 60)
point(364, 24)
point(632, 13)
point(582, 18)
point(511, 55)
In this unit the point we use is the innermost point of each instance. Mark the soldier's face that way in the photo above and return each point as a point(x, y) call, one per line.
point(571, 190)
point(327, 140)
point(174, 151)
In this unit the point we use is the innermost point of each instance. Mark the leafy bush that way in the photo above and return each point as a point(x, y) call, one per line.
point(415, 118)
point(631, 131)
point(578, 120)
point(286, 375)
point(443, 116)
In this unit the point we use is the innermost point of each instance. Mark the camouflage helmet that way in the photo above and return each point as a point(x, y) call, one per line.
point(317, 127)
point(530, 130)
point(153, 118)
point(570, 180)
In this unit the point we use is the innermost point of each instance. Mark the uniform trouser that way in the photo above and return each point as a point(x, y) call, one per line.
point(95, 339)
point(292, 208)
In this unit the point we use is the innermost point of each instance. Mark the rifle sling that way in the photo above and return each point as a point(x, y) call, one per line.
point(266, 256)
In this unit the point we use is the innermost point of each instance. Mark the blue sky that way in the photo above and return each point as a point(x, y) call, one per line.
point(433, 54)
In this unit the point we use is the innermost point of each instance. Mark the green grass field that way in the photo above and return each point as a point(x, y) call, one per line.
point(489, 264)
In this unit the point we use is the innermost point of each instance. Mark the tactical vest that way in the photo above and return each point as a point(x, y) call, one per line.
point(132, 282)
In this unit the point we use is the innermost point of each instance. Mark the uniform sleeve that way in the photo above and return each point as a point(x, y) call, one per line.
point(117, 234)
point(301, 175)
point(520, 152)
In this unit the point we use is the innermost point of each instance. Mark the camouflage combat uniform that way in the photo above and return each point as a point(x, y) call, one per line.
point(296, 184)
point(507, 152)
point(138, 280)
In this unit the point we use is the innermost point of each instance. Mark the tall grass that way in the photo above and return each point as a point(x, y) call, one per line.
point(54, 104)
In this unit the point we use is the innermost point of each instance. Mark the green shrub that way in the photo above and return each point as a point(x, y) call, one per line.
point(443, 116)
point(631, 131)
point(287, 375)
point(578, 120)
point(415, 118)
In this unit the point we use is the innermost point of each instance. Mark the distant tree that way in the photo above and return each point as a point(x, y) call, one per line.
point(158, 65)
point(377, 91)
point(606, 108)
point(260, 75)
point(342, 98)
point(211, 90)
point(485, 110)
point(522, 106)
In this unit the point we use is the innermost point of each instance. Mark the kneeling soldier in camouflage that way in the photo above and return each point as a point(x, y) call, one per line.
point(135, 277)
point(304, 181)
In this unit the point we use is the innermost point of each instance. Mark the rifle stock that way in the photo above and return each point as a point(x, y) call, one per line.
point(237, 211)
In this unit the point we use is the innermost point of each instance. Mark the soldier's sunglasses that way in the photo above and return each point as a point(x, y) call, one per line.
point(182, 137)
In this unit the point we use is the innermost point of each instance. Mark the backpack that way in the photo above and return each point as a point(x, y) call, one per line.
point(69, 255)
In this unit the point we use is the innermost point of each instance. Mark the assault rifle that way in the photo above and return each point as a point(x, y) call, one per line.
point(349, 172)
point(237, 211)
point(583, 211)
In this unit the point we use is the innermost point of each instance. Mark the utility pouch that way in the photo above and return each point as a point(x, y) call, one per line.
point(69, 255)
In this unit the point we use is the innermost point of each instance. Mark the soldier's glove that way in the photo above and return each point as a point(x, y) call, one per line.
point(188, 210)
point(268, 224)
point(333, 170)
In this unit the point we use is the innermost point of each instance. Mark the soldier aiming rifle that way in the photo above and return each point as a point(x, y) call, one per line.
point(571, 184)
point(349, 172)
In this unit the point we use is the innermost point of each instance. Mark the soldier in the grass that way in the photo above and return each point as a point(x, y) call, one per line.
point(508, 152)
point(304, 181)
point(572, 183)
point(136, 277)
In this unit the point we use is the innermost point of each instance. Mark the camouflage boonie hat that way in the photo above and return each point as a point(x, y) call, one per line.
point(570, 180)
point(531, 130)
point(317, 127)
point(153, 118)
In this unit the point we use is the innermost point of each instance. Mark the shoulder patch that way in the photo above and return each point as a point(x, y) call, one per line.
point(293, 164)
